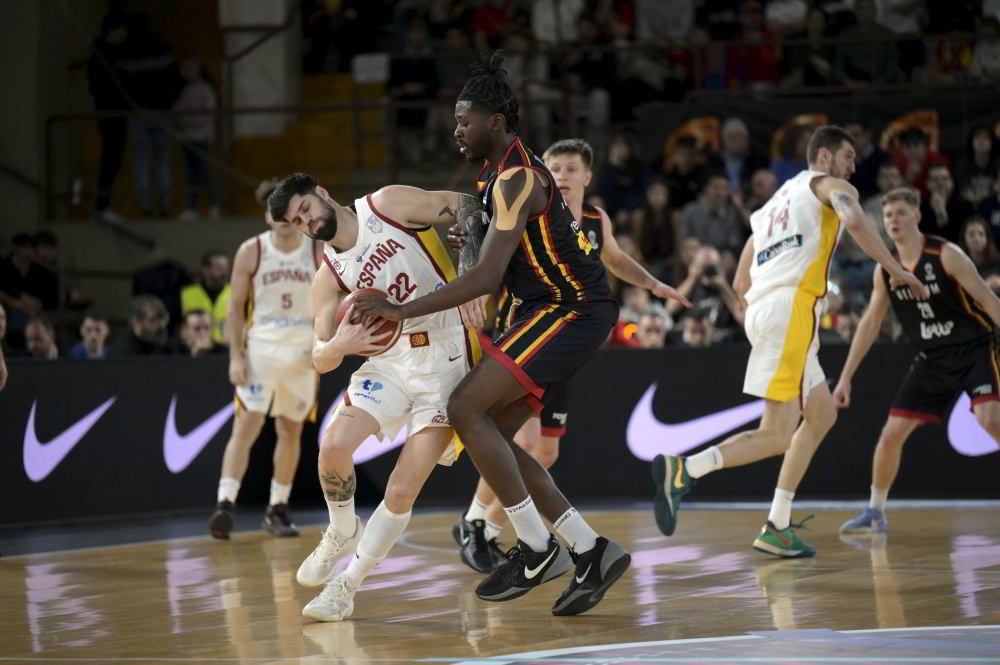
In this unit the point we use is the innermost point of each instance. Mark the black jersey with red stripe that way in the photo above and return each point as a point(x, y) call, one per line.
point(551, 263)
point(950, 316)
point(593, 228)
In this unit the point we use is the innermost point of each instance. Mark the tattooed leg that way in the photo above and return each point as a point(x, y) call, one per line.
point(350, 427)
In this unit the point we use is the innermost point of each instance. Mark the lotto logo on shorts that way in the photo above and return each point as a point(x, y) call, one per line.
point(418, 340)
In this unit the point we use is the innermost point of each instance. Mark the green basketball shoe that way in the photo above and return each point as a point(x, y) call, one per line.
point(672, 482)
point(784, 542)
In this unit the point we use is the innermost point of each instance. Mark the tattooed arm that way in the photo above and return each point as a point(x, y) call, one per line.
point(415, 207)
point(843, 198)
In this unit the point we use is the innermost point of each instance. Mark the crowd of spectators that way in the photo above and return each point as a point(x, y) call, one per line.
point(686, 217)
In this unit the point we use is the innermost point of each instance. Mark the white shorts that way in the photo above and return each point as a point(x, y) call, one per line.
point(782, 327)
point(280, 381)
point(412, 389)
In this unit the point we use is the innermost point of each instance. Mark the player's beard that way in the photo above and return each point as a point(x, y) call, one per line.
point(328, 229)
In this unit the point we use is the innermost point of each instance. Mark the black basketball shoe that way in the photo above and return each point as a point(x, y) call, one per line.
point(278, 522)
point(523, 570)
point(221, 522)
point(596, 570)
point(474, 549)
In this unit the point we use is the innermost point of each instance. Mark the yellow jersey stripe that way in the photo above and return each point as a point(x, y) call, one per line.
point(513, 338)
point(543, 224)
point(533, 260)
point(544, 337)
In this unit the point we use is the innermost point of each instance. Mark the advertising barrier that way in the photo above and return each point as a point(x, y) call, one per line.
point(85, 439)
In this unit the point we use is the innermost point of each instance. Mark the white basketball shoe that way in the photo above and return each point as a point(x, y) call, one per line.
point(334, 603)
point(318, 566)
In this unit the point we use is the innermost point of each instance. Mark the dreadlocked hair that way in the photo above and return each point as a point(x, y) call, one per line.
point(487, 86)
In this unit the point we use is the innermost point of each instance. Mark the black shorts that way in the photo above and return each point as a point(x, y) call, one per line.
point(555, 411)
point(548, 342)
point(936, 379)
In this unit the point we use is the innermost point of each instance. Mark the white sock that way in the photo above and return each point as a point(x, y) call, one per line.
point(528, 525)
point(704, 462)
point(476, 511)
point(342, 516)
point(878, 499)
point(381, 533)
point(228, 489)
point(279, 492)
point(492, 530)
point(781, 509)
point(575, 531)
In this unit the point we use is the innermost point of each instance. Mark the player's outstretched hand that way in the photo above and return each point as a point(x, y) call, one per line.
point(917, 287)
point(377, 307)
point(473, 313)
point(662, 290)
point(456, 236)
point(238, 370)
point(355, 336)
point(842, 394)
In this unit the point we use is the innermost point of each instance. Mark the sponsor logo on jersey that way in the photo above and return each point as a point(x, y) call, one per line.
point(929, 272)
point(904, 293)
point(378, 258)
point(936, 329)
point(593, 238)
point(779, 248)
point(287, 275)
point(371, 386)
point(374, 224)
point(339, 267)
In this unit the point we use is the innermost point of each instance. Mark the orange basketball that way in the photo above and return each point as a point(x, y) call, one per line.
point(387, 332)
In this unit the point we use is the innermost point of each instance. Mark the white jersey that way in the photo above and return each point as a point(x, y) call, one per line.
point(281, 303)
point(794, 236)
point(404, 263)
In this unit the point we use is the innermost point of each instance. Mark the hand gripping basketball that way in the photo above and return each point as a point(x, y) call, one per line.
point(385, 332)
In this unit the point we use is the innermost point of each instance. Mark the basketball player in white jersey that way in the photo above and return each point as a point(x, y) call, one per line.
point(383, 242)
point(269, 329)
point(783, 271)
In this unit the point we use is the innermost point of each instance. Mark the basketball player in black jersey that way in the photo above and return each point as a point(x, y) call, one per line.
point(537, 250)
point(953, 331)
point(569, 161)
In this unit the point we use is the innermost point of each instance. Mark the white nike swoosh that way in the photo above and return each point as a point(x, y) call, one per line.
point(465, 541)
point(530, 573)
point(580, 580)
point(40, 459)
point(371, 447)
point(965, 434)
point(648, 437)
point(180, 450)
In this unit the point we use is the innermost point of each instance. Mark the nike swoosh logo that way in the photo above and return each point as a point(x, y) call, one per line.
point(180, 450)
point(648, 437)
point(465, 540)
point(530, 573)
point(580, 580)
point(679, 476)
point(450, 359)
point(40, 459)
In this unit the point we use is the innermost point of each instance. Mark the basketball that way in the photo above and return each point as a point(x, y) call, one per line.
point(388, 331)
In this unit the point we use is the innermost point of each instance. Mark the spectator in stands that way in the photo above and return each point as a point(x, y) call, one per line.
point(699, 330)
point(720, 18)
point(976, 170)
point(989, 208)
point(211, 292)
point(914, 157)
point(651, 331)
point(40, 339)
point(888, 178)
point(977, 240)
point(413, 78)
point(153, 82)
point(554, 22)
point(707, 287)
point(846, 325)
point(104, 82)
point(735, 158)
point(490, 22)
point(663, 22)
point(17, 287)
point(757, 64)
point(93, 335)
point(810, 64)
point(147, 329)
point(763, 185)
point(620, 181)
point(3, 334)
point(868, 53)
point(657, 234)
point(43, 275)
point(715, 221)
point(986, 57)
point(786, 17)
point(451, 70)
point(197, 135)
point(793, 153)
point(195, 337)
point(446, 15)
point(591, 74)
point(944, 211)
point(869, 158)
point(684, 171)
point(636, 302)
point(903, 18)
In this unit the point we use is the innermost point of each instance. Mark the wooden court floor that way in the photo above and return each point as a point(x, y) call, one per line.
point(198, 600)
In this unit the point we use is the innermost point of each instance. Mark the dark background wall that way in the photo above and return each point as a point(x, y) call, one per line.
point(120, 466)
